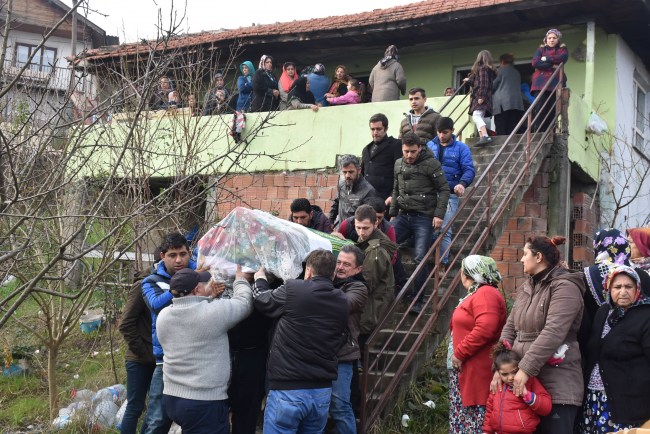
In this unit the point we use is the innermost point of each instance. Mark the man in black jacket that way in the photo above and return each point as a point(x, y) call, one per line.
point(419, 204)
point(379, 156)
point(312, 319)
point(309, 216)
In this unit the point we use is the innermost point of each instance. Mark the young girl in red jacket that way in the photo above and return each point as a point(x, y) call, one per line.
point(510, 414)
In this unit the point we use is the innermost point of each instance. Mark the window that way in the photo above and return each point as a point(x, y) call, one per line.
point(44, 60)
point(641, 118)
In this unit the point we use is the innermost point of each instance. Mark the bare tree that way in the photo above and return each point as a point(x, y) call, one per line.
point(79, 193)
point(625, 176)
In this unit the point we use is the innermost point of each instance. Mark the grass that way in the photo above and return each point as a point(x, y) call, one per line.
point(84, 363)
point(432, 385)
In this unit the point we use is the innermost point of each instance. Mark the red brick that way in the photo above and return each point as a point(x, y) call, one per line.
point(255, 203)
point(539, 225)
point(299, 180)
point(504, 240)
point(266, 204)
point(516, 239)
point(541, 195)
point(533, 210)
point(283, 193)
point(333, 180)
point(582, 254)
point(268, 179)
point(582, 227)
point(503, 268)
point(524, 224)
point(515, 269)
point(537, 181)
point(324, 204)
point(509, 254)
point(293, 192)
point(520, 211)
point(581, 198)
point(304, 192)
point(529, 196)
point(272, 192)
point(512, 224)
point(497, 253)
point(310, 181)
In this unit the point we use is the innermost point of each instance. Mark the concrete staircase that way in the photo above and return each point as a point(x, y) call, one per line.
point(392, 364)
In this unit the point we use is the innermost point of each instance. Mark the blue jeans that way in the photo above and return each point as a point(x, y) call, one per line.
point(198, 417)
point(138, 380)
point(156, 420)
point(452, 207)
point(421, 228)
point(340, 407)
point(297, 411)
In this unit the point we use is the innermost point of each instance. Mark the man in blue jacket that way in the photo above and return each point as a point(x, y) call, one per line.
point(174, 256)
point(458, 165)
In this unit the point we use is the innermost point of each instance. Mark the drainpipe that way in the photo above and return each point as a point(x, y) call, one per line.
point(589, 64)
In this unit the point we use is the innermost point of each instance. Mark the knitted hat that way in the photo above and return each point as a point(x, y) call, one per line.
point(184, 281)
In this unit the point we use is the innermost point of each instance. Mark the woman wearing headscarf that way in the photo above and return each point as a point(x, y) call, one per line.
point(300, 97)
point(265, 87)
point(543, 329)
point(547, 58)
point(610, 248)
point(287, 78)
point(387, 79)
point(618, 357)
point(639, 239)
point(475, 327)
point(245, 86)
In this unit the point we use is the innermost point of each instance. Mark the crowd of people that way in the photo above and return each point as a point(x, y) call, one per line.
point(573, 355)
point(497, 92)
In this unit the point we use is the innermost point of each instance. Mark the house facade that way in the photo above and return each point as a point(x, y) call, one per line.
point(41, 86)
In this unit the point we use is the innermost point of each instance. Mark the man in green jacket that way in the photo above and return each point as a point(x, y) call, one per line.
point(419, 202)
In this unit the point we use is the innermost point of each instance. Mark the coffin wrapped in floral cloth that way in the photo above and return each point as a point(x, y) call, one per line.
point(254, 239)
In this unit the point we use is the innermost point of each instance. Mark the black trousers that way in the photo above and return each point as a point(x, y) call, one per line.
point(545, 112)
point(560, 421)
point(246, 390)
point(506, 121)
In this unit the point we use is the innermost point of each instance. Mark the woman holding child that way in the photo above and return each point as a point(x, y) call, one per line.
point(542, 329)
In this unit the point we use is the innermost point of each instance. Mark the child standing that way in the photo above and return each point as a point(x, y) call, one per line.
point(510, 414)
point(480, 79)
point(350, 97)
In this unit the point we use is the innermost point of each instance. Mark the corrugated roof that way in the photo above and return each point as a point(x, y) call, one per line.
point(374, 18)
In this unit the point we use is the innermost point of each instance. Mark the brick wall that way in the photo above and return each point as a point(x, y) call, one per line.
point(529, 219)
point(274, 191)
point(583, 224)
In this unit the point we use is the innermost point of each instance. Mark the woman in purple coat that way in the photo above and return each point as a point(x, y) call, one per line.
point(548, 57)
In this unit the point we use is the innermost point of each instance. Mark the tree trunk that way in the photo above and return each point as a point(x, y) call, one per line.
point(52, 356)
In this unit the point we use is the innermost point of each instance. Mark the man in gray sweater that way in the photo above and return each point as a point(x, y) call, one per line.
point(193, 332)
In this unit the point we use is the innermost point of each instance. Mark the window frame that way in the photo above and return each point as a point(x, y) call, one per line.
point(644, 131)
point(37, 62)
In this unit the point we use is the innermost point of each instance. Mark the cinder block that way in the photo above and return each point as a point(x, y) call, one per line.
point(509, 254)
point(516, 240)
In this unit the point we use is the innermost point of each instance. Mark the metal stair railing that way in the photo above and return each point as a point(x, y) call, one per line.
point(491, 201)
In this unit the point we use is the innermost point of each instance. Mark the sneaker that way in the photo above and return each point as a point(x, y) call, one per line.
point(486, 140)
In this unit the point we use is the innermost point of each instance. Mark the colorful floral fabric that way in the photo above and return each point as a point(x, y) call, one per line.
point(610, 248)
point(463, 420)
point(596, 416)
